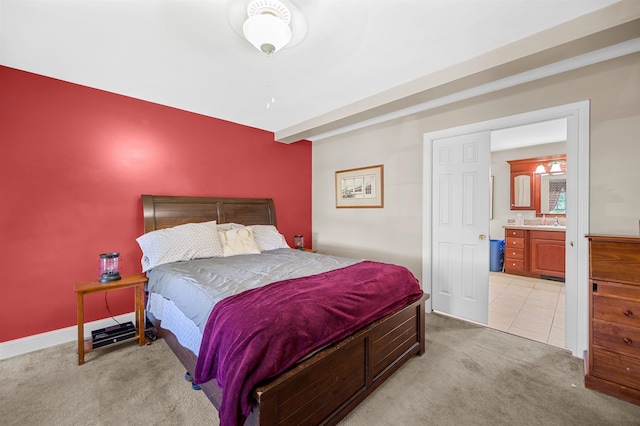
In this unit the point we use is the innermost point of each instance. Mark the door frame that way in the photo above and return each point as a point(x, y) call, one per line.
point(577, 254)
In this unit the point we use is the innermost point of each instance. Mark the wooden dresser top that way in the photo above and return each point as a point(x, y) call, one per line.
point(614, 258)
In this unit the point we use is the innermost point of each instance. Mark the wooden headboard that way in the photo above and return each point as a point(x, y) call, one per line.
point(167, 211)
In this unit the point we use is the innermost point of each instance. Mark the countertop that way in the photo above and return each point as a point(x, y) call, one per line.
point(557, 228)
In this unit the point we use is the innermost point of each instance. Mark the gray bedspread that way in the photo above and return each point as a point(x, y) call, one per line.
point(197, 285)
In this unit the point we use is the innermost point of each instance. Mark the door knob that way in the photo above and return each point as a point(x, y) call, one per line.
point(482, 237)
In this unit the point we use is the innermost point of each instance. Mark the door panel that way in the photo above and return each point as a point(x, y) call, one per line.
point(460, 244)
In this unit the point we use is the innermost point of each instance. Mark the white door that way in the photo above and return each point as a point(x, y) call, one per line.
point(460, 243)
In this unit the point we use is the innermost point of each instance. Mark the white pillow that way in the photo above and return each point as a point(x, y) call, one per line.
point(182, 242)
point(228, 226)
point(268, 237)
point(238, 241)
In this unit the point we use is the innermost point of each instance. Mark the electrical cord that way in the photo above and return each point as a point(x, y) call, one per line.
point(106, 305)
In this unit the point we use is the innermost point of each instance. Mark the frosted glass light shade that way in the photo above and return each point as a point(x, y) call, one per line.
point(555, 168)
point(267, 32)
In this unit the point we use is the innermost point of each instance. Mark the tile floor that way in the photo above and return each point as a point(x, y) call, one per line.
point(527, 307)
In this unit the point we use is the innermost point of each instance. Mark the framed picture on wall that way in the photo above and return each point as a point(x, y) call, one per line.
point(360, 188)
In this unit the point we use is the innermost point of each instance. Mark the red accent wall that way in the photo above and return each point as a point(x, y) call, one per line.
point(73, 164)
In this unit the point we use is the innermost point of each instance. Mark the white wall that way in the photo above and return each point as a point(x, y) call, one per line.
point(501, 176)
point(394, 233)
point(391, 234)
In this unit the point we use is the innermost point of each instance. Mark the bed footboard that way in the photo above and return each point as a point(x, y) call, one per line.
point(325, 387)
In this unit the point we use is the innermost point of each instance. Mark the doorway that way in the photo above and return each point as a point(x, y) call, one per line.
point(577, 116)
point(527, 307)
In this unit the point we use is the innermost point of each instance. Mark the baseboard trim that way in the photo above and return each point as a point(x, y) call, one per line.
point(56, 337)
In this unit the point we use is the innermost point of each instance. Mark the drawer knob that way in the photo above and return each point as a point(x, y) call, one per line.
point(627, 340)
point(628, 313)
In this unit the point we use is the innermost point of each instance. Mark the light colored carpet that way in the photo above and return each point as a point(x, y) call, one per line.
point(469, 375)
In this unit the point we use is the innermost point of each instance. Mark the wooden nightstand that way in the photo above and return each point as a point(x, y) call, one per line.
point(137, 281)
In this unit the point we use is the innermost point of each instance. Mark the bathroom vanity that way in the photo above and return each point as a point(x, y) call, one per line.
point(535, 251)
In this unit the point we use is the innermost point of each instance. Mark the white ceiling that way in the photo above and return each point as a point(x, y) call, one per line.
point(188, 54)
point(532, 134)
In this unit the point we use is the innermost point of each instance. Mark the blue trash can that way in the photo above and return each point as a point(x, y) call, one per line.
point(496, 256)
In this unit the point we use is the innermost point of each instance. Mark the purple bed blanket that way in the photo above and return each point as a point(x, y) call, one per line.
point(258, 334)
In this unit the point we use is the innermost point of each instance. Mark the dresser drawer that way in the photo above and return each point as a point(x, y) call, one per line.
point(622, 291)
point(615, 337)
point(514, 265)
point(615, 367)
point(615, 260)
point(513, 242)
point(616, 310)
point(519, 233)
point(513, 253)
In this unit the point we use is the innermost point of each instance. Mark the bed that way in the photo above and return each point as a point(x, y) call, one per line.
point(324, 386)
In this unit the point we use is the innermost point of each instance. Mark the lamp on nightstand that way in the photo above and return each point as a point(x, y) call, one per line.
point(108, 267)
point(299, 242)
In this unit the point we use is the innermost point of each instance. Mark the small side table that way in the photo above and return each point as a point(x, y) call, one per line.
point(306, 249)
point(137, 281)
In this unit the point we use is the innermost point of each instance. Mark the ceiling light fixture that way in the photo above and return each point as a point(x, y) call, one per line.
point(267, 27)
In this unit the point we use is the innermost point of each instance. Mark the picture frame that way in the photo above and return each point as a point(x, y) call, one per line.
point(360, 188)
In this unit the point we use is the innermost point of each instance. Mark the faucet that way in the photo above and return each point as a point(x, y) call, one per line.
point(555, 221)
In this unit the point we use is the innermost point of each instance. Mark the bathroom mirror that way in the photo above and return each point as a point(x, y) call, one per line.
point(553, 194)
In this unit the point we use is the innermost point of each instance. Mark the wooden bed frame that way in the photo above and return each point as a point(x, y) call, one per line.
point(323, 388)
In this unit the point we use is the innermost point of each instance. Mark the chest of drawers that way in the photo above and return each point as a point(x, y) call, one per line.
point(613, 360)
point(514, 250)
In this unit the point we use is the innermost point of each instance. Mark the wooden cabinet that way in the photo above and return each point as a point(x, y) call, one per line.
point(533, 253)
point(514, 251)
point(525, 185)
point(613, 359)
point(547, 253)
point(522, 190)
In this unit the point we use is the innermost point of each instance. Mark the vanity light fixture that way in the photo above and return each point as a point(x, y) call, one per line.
point(556, 166)
point(540, 169)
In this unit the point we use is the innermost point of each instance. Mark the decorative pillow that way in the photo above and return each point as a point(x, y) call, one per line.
point(238, 241)
point(182, 242)
point(228, 226)
point(268, 237)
